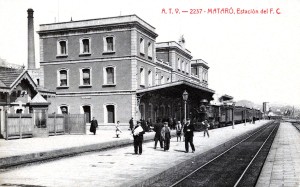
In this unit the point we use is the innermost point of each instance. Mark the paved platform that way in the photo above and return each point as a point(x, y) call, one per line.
point(282, 166)
point(22, 150)
point(114, 167)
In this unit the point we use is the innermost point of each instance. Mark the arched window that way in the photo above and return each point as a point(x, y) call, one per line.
point(109, 75)
point(150, 50)
point(142, 46)
point(63, 78)
point(150, 79)
point(85, 46)
point(109, 44)
point(63, 109)
point(142, 76)
point(85, 77)
point(62, 47)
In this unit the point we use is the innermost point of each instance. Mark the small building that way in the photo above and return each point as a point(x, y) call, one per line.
point(17, 89)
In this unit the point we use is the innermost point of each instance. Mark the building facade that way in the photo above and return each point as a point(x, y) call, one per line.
point(113, 69)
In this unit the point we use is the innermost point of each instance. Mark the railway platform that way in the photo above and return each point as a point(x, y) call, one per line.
point(282, 166)
point(112, 167)
point(119, 167)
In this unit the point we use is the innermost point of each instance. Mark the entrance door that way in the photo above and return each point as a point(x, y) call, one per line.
point(87, 112)
point(110, 113)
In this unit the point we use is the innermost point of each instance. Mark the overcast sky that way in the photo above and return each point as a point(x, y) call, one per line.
point(253, 57)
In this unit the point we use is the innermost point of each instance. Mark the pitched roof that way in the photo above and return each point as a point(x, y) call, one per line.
point(9, 75)
point(38, 99)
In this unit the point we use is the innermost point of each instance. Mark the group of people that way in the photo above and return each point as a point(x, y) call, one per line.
point(163, 134)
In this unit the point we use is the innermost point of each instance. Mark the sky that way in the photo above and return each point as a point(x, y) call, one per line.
point(251, 56)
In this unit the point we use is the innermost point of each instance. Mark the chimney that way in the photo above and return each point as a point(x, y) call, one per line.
point(31, 51)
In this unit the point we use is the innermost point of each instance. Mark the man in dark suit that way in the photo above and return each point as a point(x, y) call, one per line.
point(188, 131)
point(138, 133)
point(94, 125)
point(157, 136)
point(131, 124)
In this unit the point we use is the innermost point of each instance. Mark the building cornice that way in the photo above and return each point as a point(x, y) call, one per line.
point(96, 26)
point(95, 93)
point(56, 62)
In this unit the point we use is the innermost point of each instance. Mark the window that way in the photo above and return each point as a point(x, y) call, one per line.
point(64, 109)
point(150, 79)
point(62, 48)
point(85, 77)
point(109, 75)
point(85, 46)
point(150, 50)
point(109, 44)
point(38, 81)
point(178, 64)
point(182, 65)
point(187, 67)
point(62, 78)
point(162, 80)
point(142, 46)
point(168, 80)
point(156, 79)
point(142, 78)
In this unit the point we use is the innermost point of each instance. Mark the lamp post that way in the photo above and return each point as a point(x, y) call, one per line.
point(233, 105)
point(245, 110)
point(185, 96)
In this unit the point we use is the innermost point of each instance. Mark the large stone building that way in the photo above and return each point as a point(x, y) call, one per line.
point(113, 69)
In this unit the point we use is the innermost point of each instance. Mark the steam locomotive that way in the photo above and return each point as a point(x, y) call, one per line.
point(223, 115)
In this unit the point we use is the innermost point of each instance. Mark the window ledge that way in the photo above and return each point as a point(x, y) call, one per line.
point(150, 57)
point(142, 85)
point(85, 54)
point(142, 54)
point(108, 85)
point(108, 52)
point(85, 86)
point(62, 56)
point(62, 87)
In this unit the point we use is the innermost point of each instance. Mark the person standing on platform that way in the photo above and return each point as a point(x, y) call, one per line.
point(188, 131)
point(178, 128)
point(138, 133)
point(94, 125)
point(157, 136)
point(166, 136)
point(118, 130)
point(131, 124)
point(206, 127)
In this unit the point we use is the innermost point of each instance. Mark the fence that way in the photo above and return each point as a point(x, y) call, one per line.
point(75, 124)
point(19, 125)
point(25, 125)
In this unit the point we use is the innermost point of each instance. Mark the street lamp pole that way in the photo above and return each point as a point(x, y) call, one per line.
point(185, 98)
point(245, 111)
point(233, 104)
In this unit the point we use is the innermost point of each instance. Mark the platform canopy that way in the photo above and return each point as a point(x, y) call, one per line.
point(176, 89)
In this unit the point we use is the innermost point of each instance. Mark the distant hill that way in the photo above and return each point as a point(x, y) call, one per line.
point(275, 107)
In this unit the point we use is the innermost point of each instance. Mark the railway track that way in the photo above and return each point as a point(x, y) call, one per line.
point(297, 126)
point(239, 165)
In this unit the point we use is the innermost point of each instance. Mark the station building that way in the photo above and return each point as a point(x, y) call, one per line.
point(113, 69)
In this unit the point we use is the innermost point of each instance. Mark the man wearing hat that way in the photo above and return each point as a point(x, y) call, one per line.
point(188, 131)
point(166, 136)
point(138, 132)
